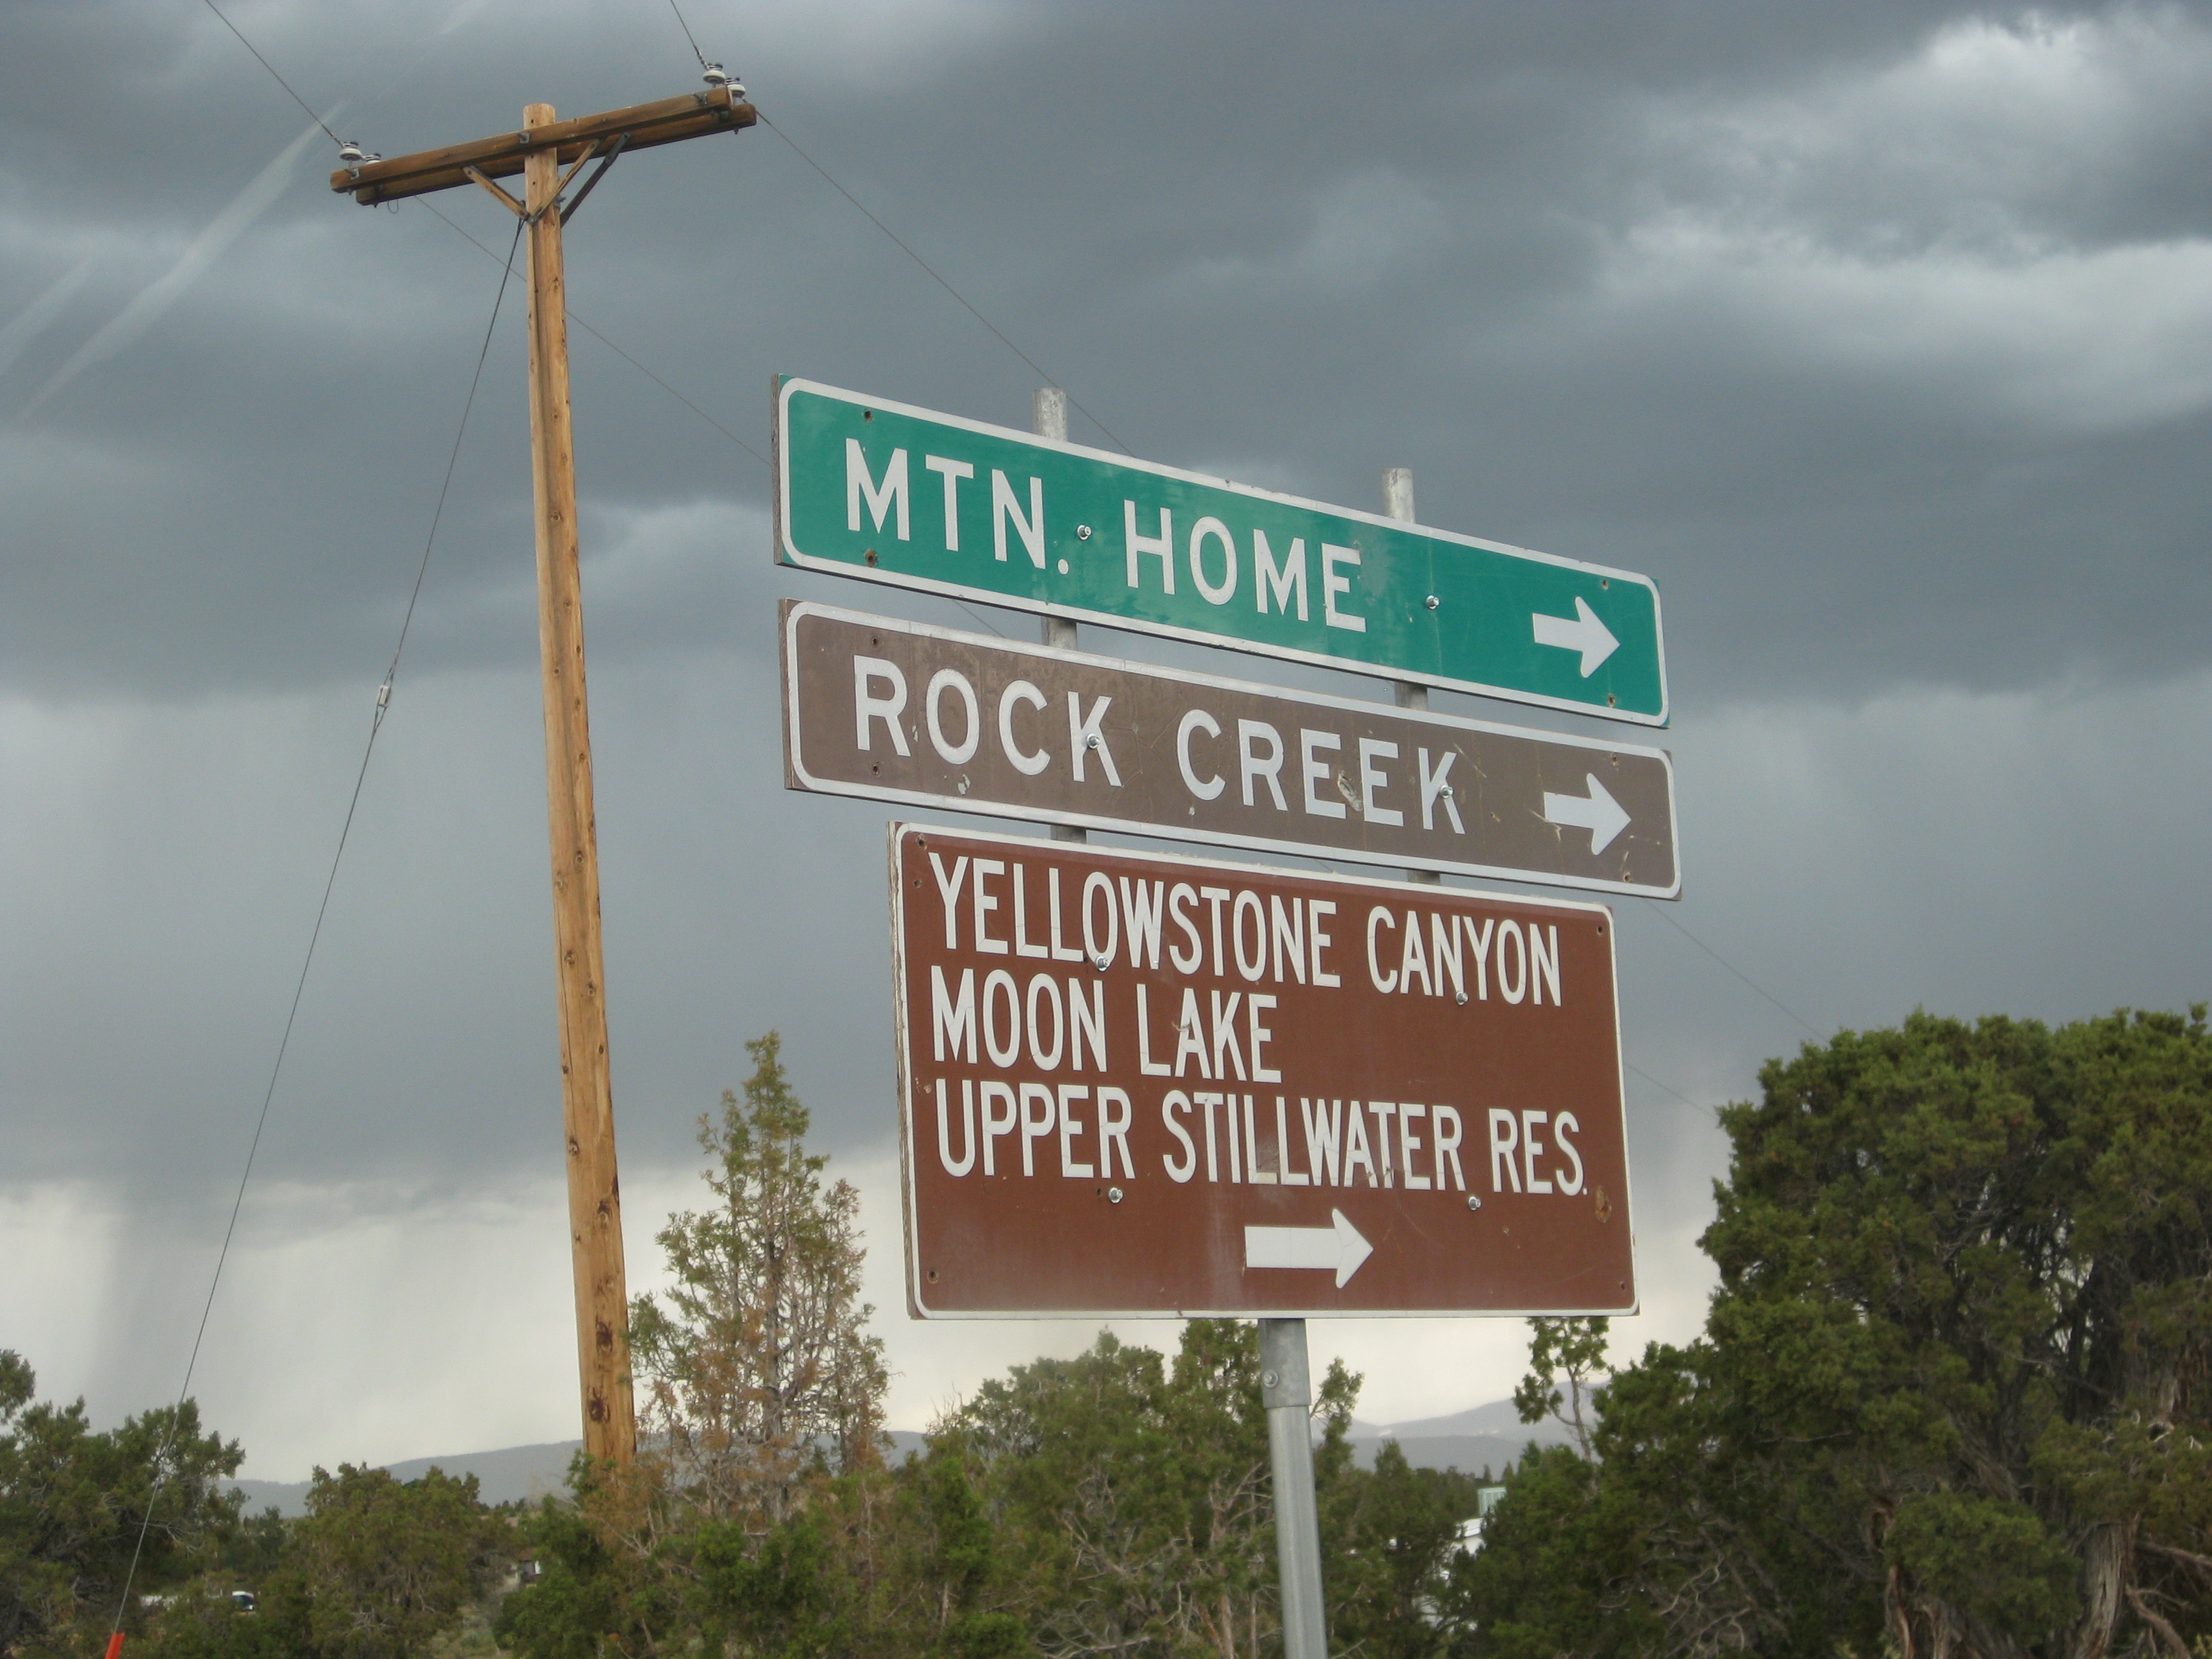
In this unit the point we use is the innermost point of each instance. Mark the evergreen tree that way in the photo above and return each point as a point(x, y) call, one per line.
point(387, 1564)
point(1572, 1349)
point(1955, 1394)
point(378, 1568)
point(1132, 1499)
point(1390, 1540)
point(760, 1360)
point(763, 1421)
point(72, 1501)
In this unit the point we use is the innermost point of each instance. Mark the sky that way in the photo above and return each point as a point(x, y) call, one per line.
point(1880, 336)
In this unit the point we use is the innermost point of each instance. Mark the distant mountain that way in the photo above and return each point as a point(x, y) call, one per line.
point(511, 1474)
point(1490, 1436)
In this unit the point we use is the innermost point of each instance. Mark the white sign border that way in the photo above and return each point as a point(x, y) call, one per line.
point(908, 1202)
point(780, 532)
point(795, 762)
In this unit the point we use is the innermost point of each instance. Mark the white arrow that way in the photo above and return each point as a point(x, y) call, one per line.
point(1338, 1245)
point(1597, 812)
point(1581, 632)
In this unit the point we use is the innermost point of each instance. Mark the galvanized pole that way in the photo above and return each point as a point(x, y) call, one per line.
point(1398, 503)
point(1049, 419)
point(1287, 1390)
point(1286, 1379)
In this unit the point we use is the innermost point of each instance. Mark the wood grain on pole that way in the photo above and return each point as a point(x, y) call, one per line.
point(587, 1096)
point(1398, 503)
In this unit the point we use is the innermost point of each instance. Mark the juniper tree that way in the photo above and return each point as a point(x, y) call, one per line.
point(77, 1503)
point(1954, 1393)
point(757, 1361)
point(1573, 1349)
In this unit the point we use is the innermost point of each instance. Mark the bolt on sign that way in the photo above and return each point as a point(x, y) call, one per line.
point(878, 490)
point(1136, 1084)
point(932, 717)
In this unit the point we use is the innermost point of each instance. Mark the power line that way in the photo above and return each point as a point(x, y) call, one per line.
point(935, 275)
point(938, 277)
point(980, 620)
point(688, 35)
point(437, 512)
point(315, 934)
point(907, 248)
point(579, 321)
point(1670, 1088)
point(1810, 1028)
point(1000, 334)
point(271, 67)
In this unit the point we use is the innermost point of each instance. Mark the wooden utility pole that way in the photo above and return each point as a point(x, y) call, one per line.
point(540, 152)
point(587, 1090)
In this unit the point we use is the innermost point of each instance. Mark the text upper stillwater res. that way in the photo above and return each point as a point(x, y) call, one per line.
point(1049, 1021)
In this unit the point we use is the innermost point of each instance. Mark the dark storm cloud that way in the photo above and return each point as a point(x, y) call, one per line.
point(1581, 267)
point(1881, 334)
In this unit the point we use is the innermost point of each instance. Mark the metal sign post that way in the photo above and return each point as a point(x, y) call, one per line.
point(1286, 1393)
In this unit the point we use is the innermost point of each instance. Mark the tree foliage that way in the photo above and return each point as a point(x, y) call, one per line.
point(1135, 1494)
point(1953, 1400)
point(71, 1505)
point(1116, 1503)
point(1953, 1397)
point(760, 1358)
point(388, 1564)
point(378, 1568)
point(1390, 1546)
point(1572, 1350)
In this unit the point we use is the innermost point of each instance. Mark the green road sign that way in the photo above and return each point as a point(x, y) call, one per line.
point(890, 494)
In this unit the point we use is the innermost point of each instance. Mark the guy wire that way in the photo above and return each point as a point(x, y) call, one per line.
point(314, 936)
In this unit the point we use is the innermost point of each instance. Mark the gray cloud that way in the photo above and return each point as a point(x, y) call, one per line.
point(1876, 333)
point(1812, 316)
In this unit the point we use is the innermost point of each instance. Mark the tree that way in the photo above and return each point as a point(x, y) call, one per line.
point(1574, 1349)
point(595, 1590)
point(1132, 1500)
point(387, 1564)
point(72, 1502)
point(377, 1568)
point(1390, 1536)
point(763, 1419)
point(1955, 1394)
point(760, 1358)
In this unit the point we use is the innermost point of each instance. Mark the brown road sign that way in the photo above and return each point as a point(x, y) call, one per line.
point(931, 717)
point(1139, 1084)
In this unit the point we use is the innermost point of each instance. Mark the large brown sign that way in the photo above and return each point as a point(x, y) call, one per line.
point(1132, 1084)
point(926, 716)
